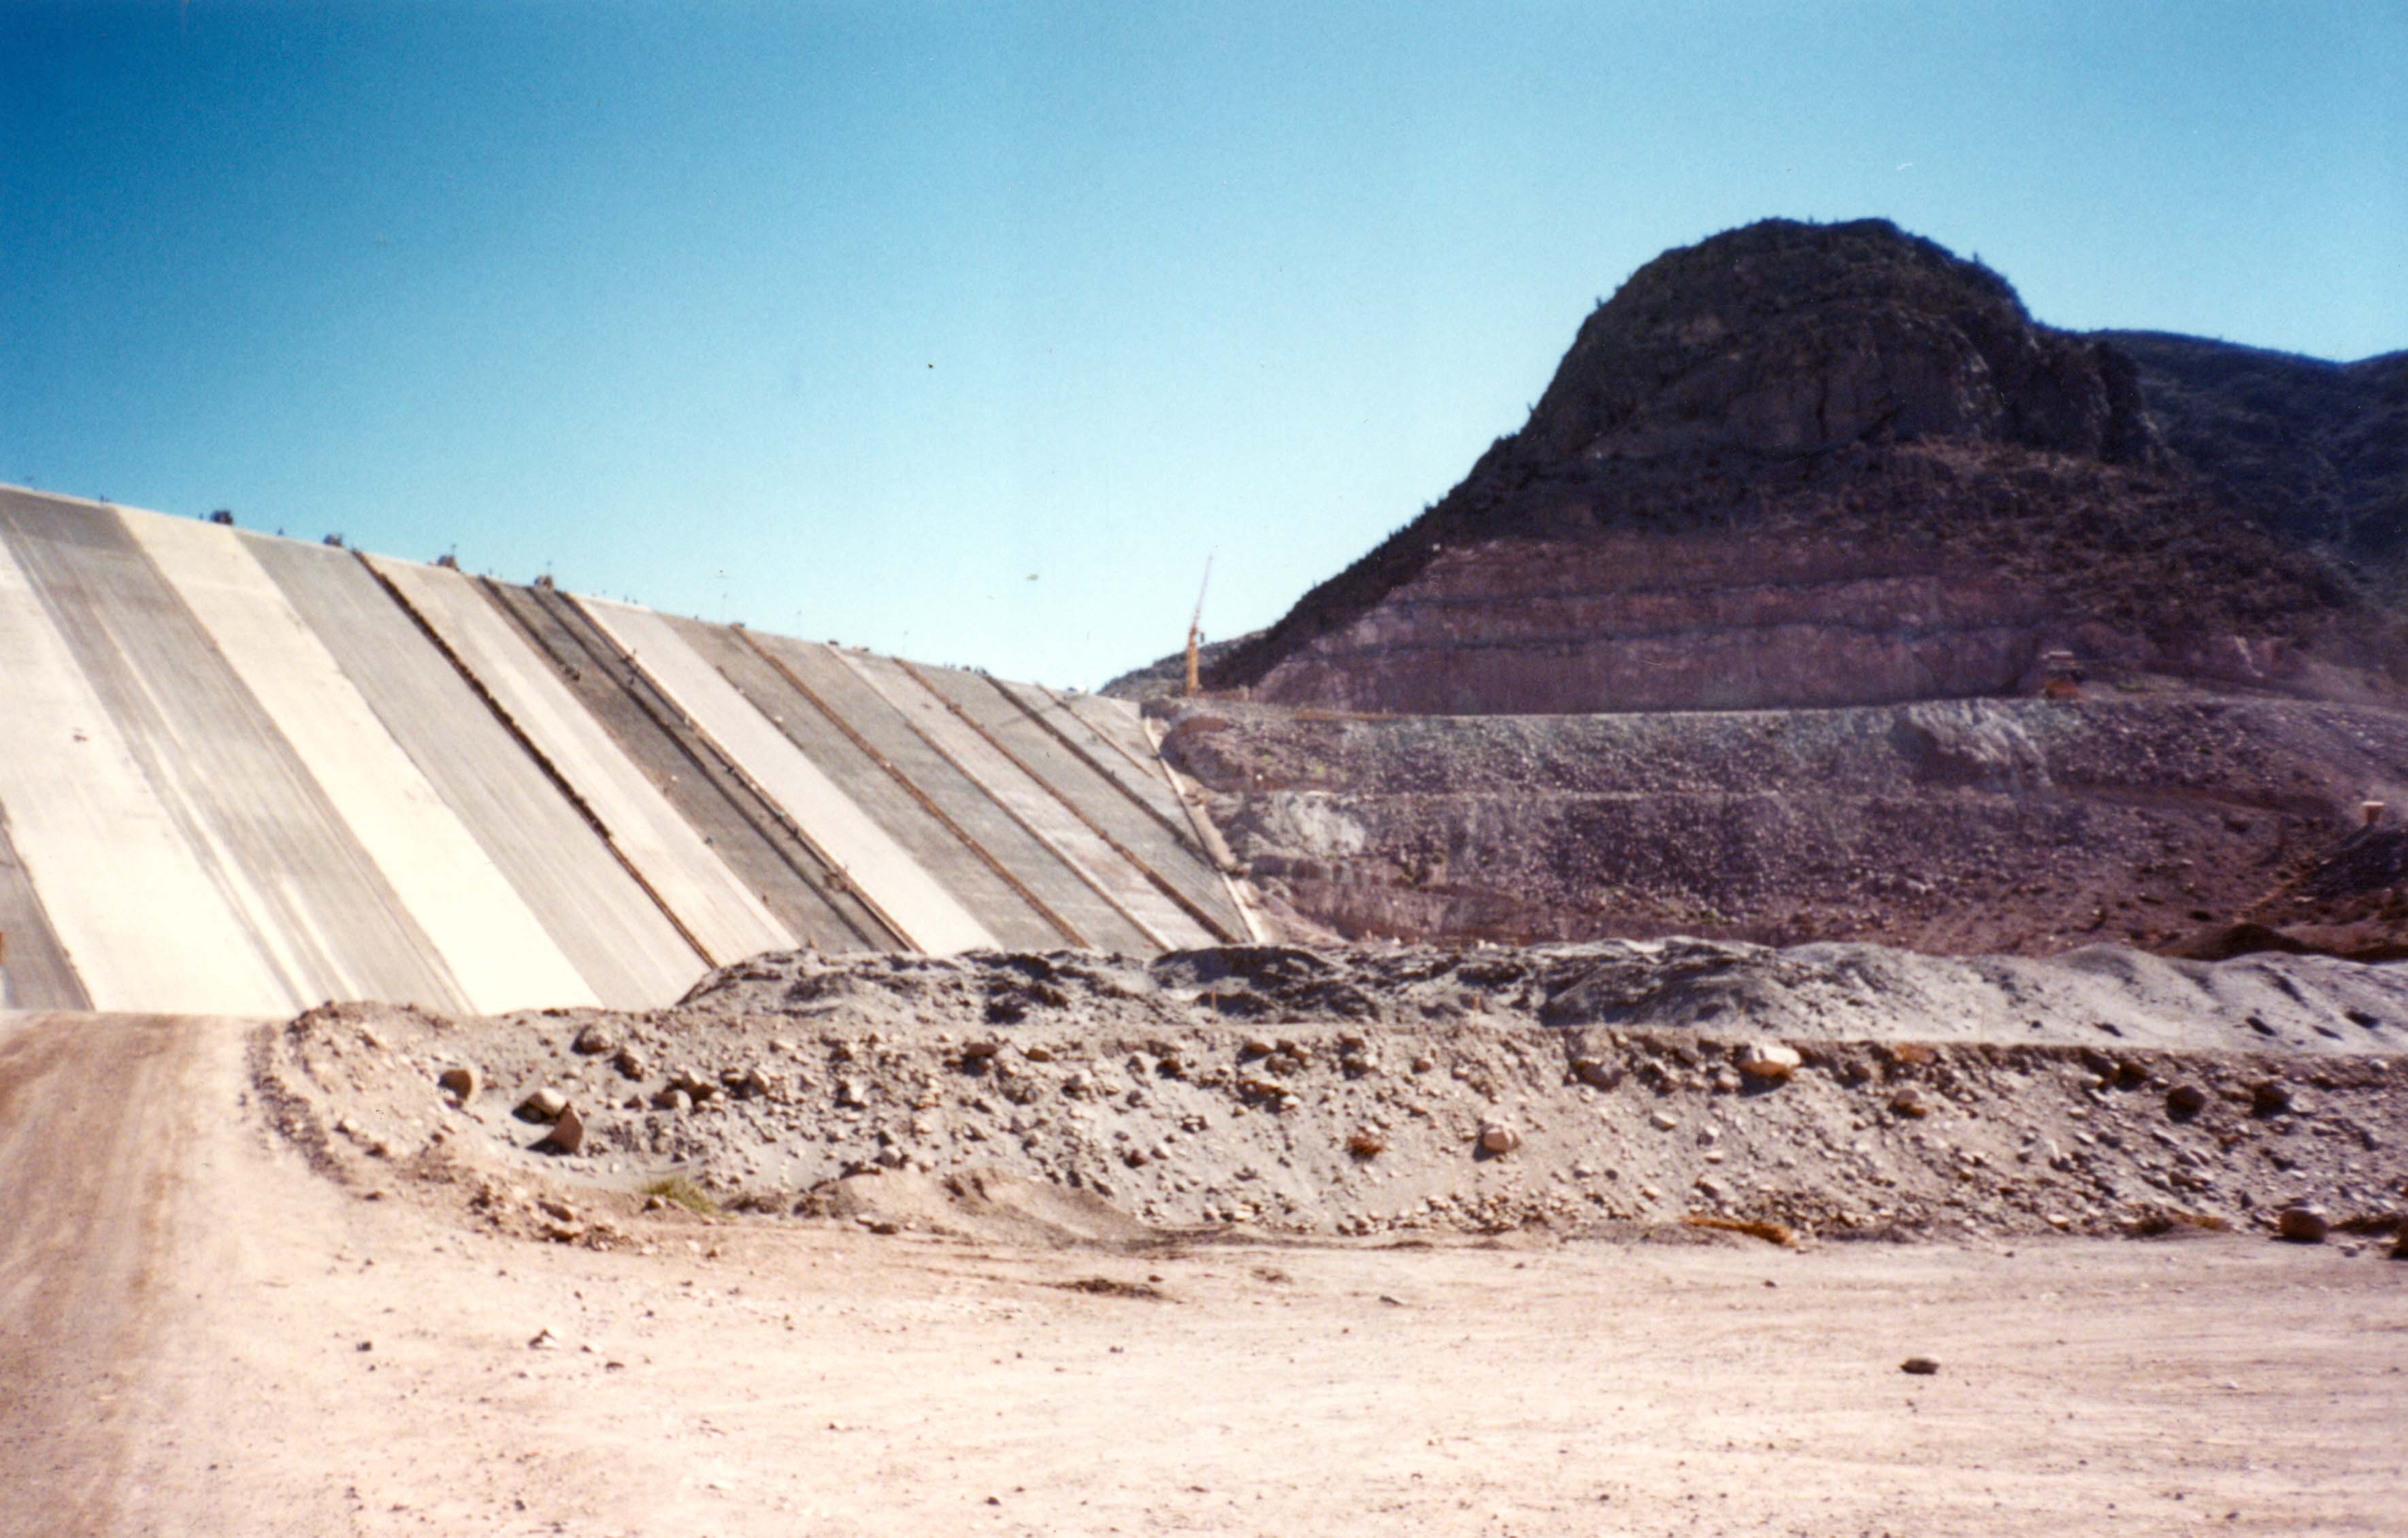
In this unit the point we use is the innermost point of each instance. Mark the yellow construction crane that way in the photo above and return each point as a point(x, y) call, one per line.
point(1196, 630)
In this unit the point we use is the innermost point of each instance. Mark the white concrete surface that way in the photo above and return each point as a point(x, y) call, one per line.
point(1043, 813)
point(146, 927)
point(493, 943)
point(882, 872)
point(727, 920)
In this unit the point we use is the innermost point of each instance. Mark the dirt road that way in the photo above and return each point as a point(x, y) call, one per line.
point(200, 1334)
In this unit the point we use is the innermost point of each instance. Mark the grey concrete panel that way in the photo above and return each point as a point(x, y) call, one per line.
point(621, 943)
point(98, 845)
point(891, 733)
point(909, 902)
point(923, 827)
point(1114, 723)
point(1092, 775)
point(710, 905)
point(1030, 800)
point(483, 930)
point(312, 901)
point(1124, 725)
point(744, 830)
point(34, 972)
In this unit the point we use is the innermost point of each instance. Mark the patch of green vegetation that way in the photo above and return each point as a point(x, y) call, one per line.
point(685, 1193)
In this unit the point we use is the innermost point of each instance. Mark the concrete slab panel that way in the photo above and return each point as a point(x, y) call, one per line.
point(742, 827)
point(35, 971)
point(1075, 765)
point(1094, 923)
point(141, 921)
point(1116, 723)
point(1030, 800)
point(927, 826)
point(485, 933)
point(1122, 724)
point(723, 918)
point(910, 901)
point(625, 948)
point(291, 868)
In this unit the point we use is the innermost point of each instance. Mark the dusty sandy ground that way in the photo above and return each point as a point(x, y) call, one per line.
point(201, 1334)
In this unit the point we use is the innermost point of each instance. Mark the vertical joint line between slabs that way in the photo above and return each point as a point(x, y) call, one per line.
point(1041, 783)
point(927, 801)
point(541, 759)
point(1212, 925)
point(835, 868)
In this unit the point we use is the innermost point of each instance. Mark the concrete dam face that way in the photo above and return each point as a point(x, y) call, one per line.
point(243, 775)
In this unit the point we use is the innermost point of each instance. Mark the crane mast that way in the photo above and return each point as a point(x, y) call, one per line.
point(1195, 631)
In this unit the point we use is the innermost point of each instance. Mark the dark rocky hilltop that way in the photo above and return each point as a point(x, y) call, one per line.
point(1804, 464)
point(2316, 451)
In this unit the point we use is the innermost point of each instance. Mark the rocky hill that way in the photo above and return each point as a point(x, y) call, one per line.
point(2316, 451)
point(1802, 464)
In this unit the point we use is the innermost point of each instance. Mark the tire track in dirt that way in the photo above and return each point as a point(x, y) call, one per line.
point(95, 1115)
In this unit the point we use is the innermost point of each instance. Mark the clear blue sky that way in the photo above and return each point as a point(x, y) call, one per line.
point(966, 330)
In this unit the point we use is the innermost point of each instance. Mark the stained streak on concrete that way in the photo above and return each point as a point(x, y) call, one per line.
point(979, 814)
point(623, 945)
point(717, 910)
point(902, 893)
point(742, 827)
point(935, 838)
point(1038, 809)
point(1067, 764)
point(90, 831)
point(484, 931)
point(34, 972)
point(1119, 746)
point(314, 906)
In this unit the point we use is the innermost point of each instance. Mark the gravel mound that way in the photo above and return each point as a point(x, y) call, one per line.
point(1830, 1090)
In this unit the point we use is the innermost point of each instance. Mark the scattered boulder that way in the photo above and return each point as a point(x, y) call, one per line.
point(545, 1104)
point(1770, 1063)
point(1908, 1103)
point(1496, 1137)
point(567, 1134)
point(2186, 1101)
point(2303, 1224)
point(2269, 1098)
point(458, 1081)
point(1921, 1367)
point(595, 1040)
point(1595, 1072)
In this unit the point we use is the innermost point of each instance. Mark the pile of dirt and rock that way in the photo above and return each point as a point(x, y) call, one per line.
point(1805, 464)
point(1965, 826)
point(1829, 1091)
